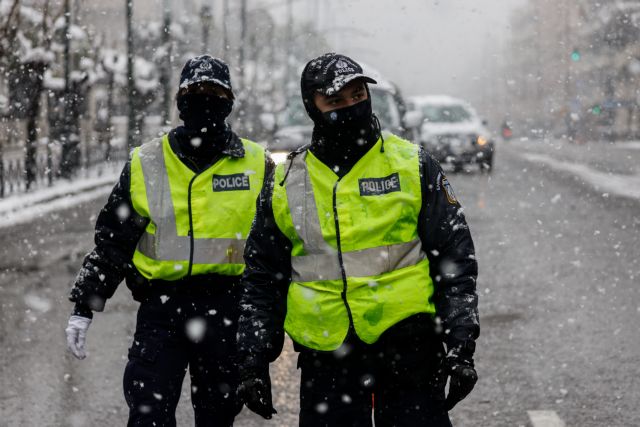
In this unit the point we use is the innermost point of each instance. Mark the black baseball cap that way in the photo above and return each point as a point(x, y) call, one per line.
point(205, 68)
point(330, 72)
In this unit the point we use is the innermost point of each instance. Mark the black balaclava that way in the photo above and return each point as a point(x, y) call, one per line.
point(205, 131)
point(342, 136)
point(349, 124)
point(205, 114)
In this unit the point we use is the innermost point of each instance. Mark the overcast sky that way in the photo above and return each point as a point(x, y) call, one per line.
point(450, 47)
point(425, 46)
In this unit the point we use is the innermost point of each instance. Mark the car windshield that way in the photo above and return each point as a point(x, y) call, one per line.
point(446, 113)
point(381, 107)
point(294, 115)
point(380, 104)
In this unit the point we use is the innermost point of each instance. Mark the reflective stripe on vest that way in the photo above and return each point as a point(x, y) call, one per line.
point(321, 261)
point(166, 249)
point(166, 245)
point(363, 263)
point(384, 283)
point(205, 251)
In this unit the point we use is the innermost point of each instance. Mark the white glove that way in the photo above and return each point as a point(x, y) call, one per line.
point(77, 335)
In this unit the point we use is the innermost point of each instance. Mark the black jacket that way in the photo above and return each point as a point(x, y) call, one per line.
point(119, 227)
point(445, 239)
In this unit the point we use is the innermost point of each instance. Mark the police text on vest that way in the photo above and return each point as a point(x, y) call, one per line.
point(237, 181)
point(378, 186)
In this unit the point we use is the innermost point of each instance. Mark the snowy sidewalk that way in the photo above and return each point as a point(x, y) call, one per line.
point(25, 207)
point(611, 168)
point(608, 183)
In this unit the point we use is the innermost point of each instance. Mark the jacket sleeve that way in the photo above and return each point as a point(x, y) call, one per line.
point(446, 240)
point(264, 285)
point(118, 229)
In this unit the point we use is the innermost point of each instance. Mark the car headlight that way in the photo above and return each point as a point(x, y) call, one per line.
point(481, 141)
point(279, 157)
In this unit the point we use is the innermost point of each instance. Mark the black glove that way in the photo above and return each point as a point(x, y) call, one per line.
point(459, 365)
point(255, 389)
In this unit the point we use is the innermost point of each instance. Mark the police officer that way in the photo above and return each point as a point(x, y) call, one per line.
point(361, 253)
point(174, 227)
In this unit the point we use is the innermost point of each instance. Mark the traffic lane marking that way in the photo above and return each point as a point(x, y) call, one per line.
point(545, 419)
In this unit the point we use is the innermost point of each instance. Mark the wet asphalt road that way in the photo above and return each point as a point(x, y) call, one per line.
point(559, 303)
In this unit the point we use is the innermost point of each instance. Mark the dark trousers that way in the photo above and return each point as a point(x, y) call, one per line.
point(398, 380)
point(185, 331)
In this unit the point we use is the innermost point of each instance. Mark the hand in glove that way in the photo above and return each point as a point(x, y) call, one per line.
point(255, 390)
point(77, 334)
point(459, 365)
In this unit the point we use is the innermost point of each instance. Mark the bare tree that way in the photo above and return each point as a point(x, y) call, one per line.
point(165, 76)
point(27, 64)
point(133, 128)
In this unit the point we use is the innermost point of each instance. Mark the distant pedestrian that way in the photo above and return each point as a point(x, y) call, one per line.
point(175, 227)
point(507, 130)
point(361, 253)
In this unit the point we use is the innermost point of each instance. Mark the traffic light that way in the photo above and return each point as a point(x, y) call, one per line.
point(575, 55)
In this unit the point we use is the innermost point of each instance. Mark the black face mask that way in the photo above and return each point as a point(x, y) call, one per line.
point(348, 125)
point(341, 137)
point(204, 113)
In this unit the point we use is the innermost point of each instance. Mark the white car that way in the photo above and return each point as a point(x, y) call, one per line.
point(292, 127)
point(452, 132)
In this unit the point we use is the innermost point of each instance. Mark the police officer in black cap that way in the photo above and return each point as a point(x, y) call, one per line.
point(174, 227)
point(361, 253)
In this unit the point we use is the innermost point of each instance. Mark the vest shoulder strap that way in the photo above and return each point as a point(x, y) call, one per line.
point(151, 148)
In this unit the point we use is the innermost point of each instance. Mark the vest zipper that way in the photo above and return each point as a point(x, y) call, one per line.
point(344, 274)
point(190, 233)
point(191, 238)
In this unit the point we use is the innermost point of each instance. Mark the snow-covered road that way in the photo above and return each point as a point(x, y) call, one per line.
point(559, 304)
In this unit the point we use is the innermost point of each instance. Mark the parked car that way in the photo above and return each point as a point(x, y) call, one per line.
point(453, 132)
point(293, 128)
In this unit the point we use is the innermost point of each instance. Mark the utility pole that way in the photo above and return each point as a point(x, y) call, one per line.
point(67, 42)
point(132, 138)
point(287, 59)
point(565, 50)
point(240, 99)
point(166, 63)
point(225, 30)
point(539, 90)
point(243, 39)
point(569, 117)
point(205, 19)
point(66, 161)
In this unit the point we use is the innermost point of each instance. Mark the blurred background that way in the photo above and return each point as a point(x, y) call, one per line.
point(531, 106)
point(78, 76)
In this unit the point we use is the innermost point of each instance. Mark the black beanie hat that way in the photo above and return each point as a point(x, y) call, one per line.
point(328, 74)
point(205, 68)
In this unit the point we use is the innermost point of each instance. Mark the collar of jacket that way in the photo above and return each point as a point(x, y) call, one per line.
point(233, 146)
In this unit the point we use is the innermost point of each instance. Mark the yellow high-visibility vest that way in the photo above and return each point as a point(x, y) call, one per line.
point(198, 222)
point(356, 258)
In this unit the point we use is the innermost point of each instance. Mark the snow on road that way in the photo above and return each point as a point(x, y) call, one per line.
point(540, 305)
point(25, 207)
point(632, 145)
point(545, 419)
point(608, 183)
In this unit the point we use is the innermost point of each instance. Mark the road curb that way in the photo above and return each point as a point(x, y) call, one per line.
point(26, 207)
